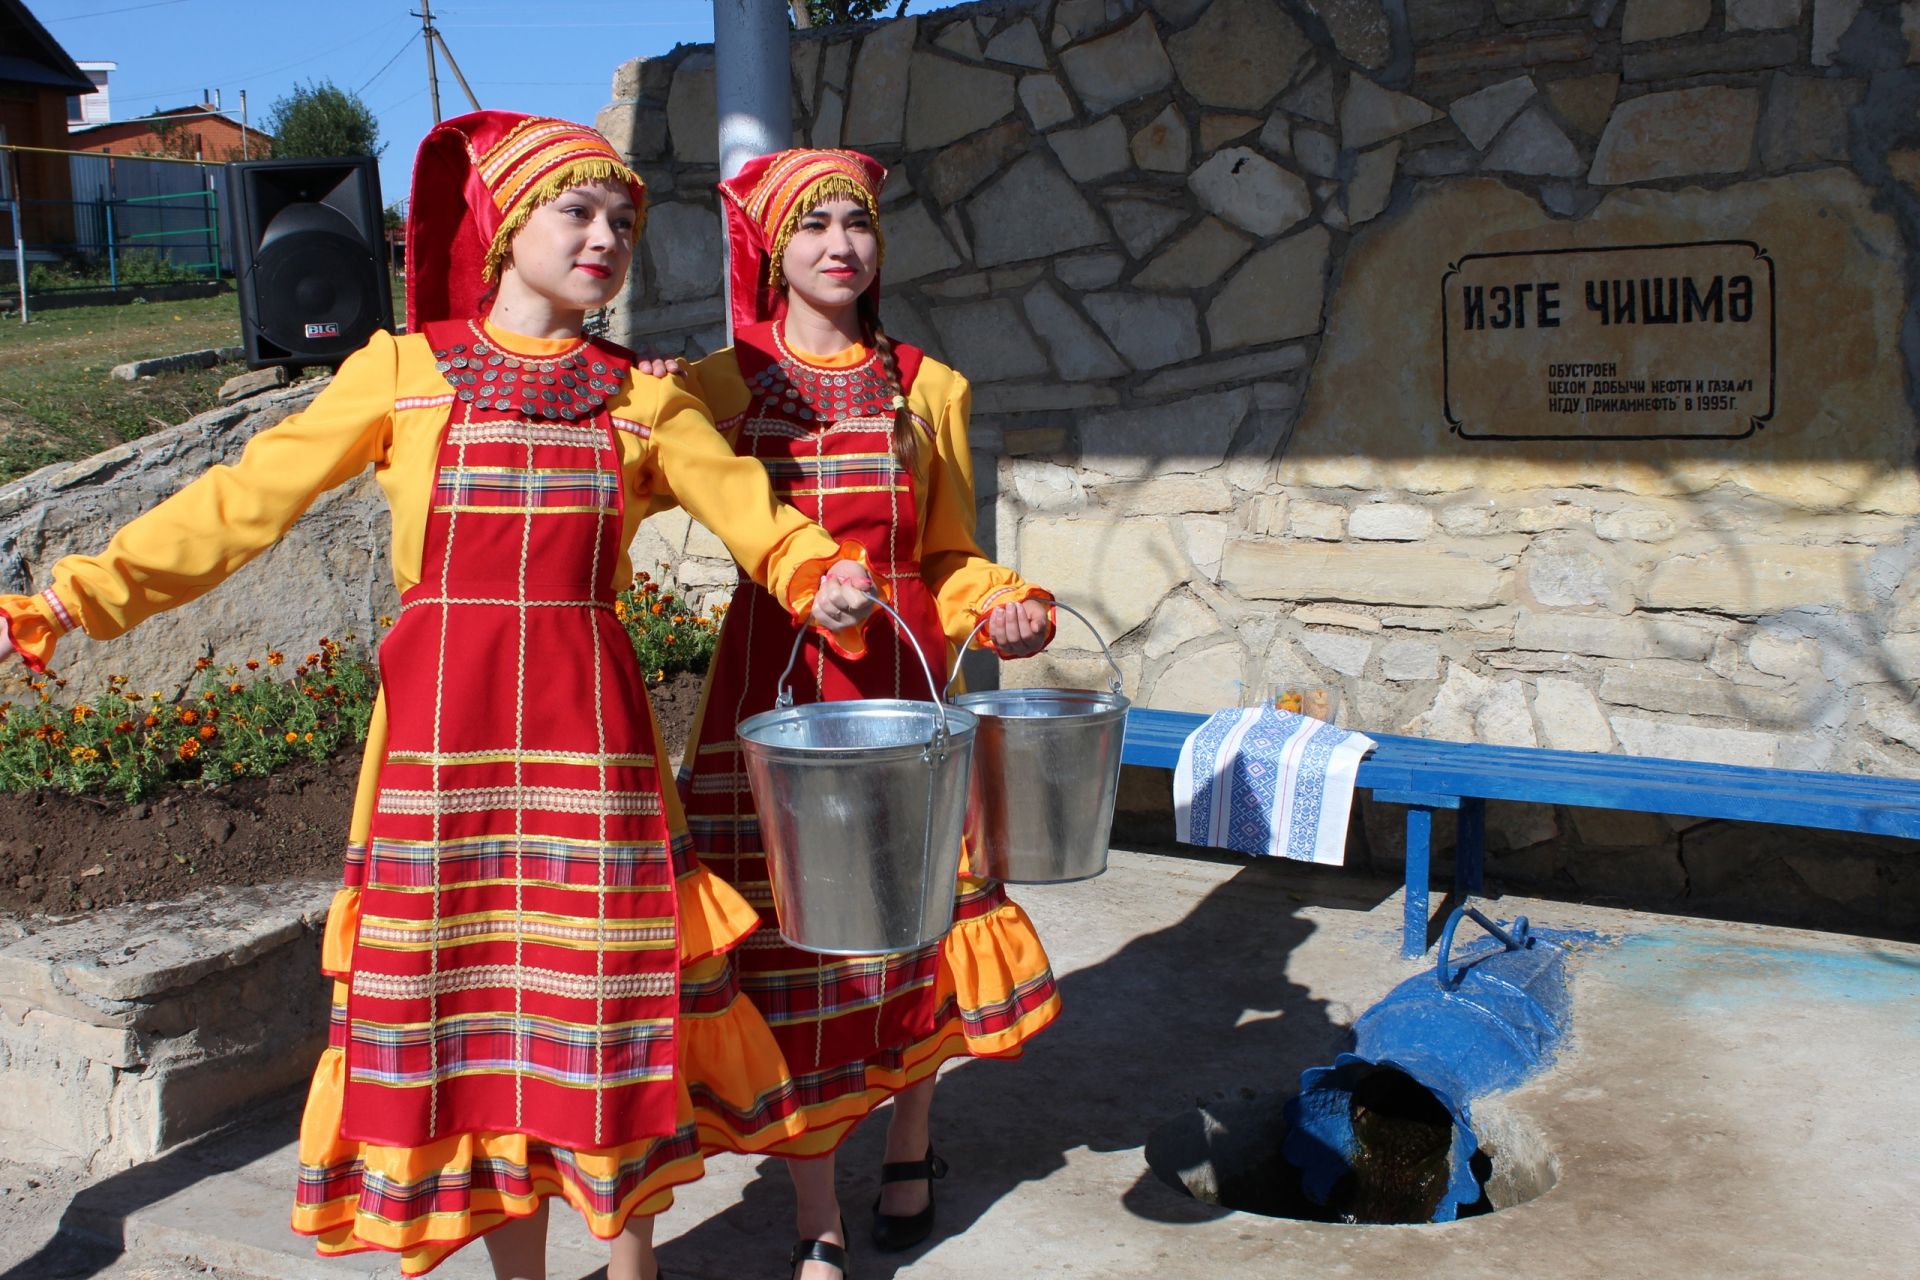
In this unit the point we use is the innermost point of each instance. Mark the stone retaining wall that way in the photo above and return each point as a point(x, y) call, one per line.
point(1195, 256)
point(128, 1031)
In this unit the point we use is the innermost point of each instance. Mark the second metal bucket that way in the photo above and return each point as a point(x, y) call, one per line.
point(1046, 770)
point(862, 804)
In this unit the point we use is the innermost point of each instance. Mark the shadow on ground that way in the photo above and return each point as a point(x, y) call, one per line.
point(92, 1231)
point(1195, 1011)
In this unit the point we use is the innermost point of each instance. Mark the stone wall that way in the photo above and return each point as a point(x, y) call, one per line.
point(1197, 255)
point(127, 1032)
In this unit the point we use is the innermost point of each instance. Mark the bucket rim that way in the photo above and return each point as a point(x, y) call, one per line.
point(960, 722)
point(1111, 702)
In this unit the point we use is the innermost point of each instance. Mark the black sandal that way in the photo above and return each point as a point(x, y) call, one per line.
point(895, 1232)
point(820, 1251)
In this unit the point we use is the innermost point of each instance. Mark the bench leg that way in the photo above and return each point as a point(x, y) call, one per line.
point(1470, 847)
point(1413, 935)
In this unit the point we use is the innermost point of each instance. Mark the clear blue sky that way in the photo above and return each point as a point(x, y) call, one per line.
point(538, 57)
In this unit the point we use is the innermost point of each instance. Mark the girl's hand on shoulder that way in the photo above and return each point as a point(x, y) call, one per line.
point(1018, 630)
point(843, 598)
point(659, 366)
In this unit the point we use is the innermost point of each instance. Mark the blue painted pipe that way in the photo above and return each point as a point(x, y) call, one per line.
point(1469, 1028)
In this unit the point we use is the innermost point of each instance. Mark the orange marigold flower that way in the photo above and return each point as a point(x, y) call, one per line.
point(189, 716)
point(190, 748)
point(201, 664)
point(208, 696)
point(207, 731)
point(275, 657)
point(658, 608)
point(84, 754)
point(125, 726)
point(253, 664)
point(292, 736)
point(81, 712)
point(57, 737)
point(151, 721)
point(238, 767)
point(233, 688)
point(308, 736)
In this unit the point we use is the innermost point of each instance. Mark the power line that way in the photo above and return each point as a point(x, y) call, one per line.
point(101, 13)
point(256, 75)
point(408, 44)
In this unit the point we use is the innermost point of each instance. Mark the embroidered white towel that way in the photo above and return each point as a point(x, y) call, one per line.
point(1266, 781)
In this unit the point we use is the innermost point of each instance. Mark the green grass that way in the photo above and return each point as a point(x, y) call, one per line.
point(57, 400)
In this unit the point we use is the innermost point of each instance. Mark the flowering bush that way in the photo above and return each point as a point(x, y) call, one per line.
point(668, 633)
point(247, 719)
point(242, 720)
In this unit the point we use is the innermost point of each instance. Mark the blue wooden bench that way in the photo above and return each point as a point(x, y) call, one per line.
point(1425, 774)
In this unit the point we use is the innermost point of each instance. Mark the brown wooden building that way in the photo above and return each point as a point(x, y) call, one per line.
point(36, 79)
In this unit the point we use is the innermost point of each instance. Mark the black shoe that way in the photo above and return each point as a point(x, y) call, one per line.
point(894, 1232)
point(820, 1251)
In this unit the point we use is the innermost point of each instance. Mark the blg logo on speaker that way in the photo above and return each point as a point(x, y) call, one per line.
point(325, 329)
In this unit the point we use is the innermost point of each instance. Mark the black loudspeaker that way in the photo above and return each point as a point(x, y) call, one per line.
point(310, 258)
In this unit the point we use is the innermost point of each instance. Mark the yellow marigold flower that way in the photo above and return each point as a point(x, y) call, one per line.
point(84, 754)
point(81, 712)
point(386, 619)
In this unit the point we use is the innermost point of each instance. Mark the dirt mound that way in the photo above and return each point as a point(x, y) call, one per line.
point(61, 854)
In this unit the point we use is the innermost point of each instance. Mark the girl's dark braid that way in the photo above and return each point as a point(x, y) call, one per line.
point(906, 442)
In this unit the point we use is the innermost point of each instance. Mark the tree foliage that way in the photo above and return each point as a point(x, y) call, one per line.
point(321, 119)
point(828, 13)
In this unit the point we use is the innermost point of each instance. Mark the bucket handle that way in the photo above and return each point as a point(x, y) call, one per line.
point(1519, 939)
point(1113, 685)
point(941, 732)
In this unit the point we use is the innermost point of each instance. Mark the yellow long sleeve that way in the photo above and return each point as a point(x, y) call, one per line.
point(688, 463)
point(192, 541)
point(965, 584)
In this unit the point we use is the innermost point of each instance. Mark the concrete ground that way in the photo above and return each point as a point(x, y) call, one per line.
point(1737, 1101)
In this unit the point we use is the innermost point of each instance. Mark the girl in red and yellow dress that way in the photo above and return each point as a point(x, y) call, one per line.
point(529, 962)
point(867, 436)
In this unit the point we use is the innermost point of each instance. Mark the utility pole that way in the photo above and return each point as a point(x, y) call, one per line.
point(433, 74)
point(244, 149)
point(430, 36)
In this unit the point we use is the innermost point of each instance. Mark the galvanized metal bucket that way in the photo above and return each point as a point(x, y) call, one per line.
point(1046, 769)
point(862, 804)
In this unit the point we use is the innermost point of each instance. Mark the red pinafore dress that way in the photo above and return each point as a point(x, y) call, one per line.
point(852, 1029)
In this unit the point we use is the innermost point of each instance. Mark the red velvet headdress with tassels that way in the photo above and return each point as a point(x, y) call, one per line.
point(763, 204)
point(475, 182)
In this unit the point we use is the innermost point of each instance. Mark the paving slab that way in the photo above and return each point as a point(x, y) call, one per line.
point(1735, 1101)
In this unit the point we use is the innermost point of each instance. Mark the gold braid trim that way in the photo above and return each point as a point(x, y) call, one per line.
point(575, 173)
point(834, 184)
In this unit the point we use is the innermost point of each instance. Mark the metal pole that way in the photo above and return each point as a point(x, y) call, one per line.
point(243, 127)
point(753, 95)
point(113, 257)
point(433, 75)
point(752, 83)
